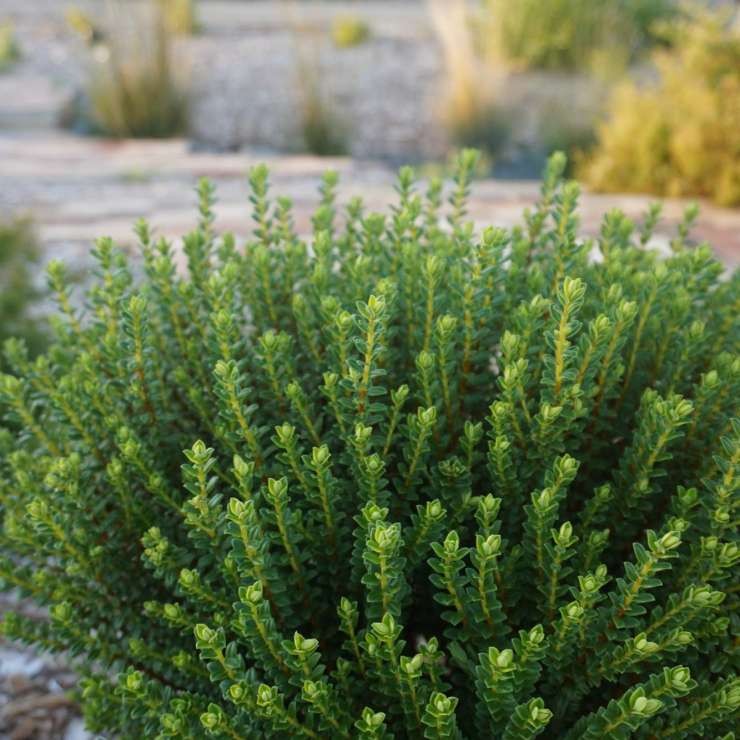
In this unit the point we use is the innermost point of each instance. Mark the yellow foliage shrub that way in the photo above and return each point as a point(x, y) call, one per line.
point(680, 136)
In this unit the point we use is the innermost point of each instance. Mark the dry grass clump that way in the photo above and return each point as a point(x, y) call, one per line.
point(467, 103)
point(135, 90)
point(321, 127)
point(180, 16)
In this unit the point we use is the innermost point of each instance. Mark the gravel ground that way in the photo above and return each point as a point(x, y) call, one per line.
point(383, 92)
point(35, 690)
point(34, 698)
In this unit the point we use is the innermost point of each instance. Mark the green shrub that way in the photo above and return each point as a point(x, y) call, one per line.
point(348, 31)
point(135, 90)
point(10, 52)
point(19, 255)
point(682, 135)
point(434, 484)
point(573, 34)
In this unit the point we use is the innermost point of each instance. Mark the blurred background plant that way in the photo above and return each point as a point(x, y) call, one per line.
point(680, 134)
point(10, 51)
point(19, 255)
point(179, 15)
point(602, 35)
point(322, 129)
point(467, 105)
point(83, 25)
point(348, 31)
point(135, 89)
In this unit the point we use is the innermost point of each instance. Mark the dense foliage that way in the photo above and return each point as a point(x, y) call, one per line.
point(435, 483)
point(680, 135)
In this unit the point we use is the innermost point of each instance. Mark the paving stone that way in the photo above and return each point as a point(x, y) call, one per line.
point(78, 189)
